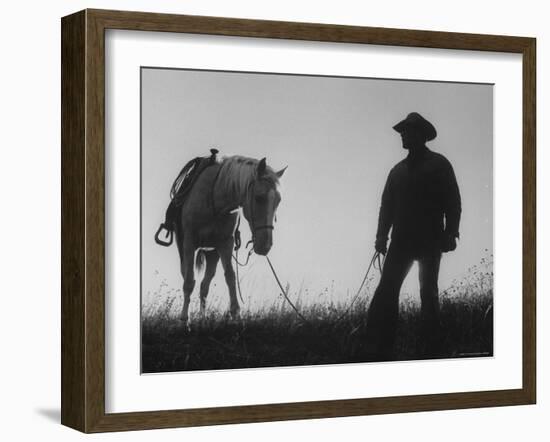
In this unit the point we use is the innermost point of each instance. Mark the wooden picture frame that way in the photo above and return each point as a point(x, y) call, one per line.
point(83, 220)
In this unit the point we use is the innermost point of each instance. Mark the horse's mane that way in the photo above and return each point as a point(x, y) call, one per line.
point(237, 172)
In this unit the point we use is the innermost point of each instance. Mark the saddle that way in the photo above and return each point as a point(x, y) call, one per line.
point(179, 192)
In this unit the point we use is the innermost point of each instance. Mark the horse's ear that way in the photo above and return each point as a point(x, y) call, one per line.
point(281, 172)
point(261, 167)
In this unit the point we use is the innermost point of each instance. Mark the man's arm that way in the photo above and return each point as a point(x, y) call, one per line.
point(385, 216)
point(452, 204)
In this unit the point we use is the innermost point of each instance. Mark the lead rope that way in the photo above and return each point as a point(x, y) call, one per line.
point(237, 265)
point(236, 256)
point(283, 291)
point(375, 259)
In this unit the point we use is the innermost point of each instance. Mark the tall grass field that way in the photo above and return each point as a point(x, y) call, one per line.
point(333, 334)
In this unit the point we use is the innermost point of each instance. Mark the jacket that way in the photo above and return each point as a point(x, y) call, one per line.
point(421, 201)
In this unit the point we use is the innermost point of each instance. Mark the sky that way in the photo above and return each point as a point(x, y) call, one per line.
point(335, 135)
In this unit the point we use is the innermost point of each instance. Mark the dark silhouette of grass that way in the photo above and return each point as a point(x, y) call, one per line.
point(275, 336)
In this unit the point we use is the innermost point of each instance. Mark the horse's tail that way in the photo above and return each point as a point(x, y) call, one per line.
point(200, 259)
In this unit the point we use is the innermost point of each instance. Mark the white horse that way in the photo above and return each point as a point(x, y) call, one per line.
point(208, 218)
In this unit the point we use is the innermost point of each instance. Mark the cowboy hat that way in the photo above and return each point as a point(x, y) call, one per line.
point(416, 122)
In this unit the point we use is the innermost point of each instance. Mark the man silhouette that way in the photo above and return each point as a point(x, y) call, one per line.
point(421, 205)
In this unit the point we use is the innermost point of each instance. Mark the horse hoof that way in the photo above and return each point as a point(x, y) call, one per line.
point(232, 317)
point(235, 316)
point(185, 325)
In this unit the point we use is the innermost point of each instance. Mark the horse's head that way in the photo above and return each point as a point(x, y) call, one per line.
point(261, 204)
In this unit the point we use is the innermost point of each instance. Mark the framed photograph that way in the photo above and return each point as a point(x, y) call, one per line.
point(269, 220)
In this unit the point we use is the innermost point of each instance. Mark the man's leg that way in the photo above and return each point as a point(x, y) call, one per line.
point(384, 308)
point(431, 333)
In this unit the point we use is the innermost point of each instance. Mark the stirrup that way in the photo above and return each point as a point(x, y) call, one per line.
point(169, 234)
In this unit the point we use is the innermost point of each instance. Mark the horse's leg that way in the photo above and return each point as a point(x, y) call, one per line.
point(212, 259)
point(225, 252)
point(188, 273)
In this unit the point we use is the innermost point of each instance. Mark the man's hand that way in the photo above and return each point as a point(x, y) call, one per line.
point(448, 243)
point(380, 246)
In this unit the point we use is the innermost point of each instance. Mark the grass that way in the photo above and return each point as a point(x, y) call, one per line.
point(275, 336)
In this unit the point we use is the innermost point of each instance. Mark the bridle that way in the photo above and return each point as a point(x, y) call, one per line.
point(251, 206)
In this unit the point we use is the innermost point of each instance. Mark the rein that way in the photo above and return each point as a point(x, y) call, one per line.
point(374, 260)
point(283, 291)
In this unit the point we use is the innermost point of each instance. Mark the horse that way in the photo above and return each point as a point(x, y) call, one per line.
point(205, 225)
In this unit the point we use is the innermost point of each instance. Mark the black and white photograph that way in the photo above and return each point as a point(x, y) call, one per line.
point(270, 221)
point(301, 220)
